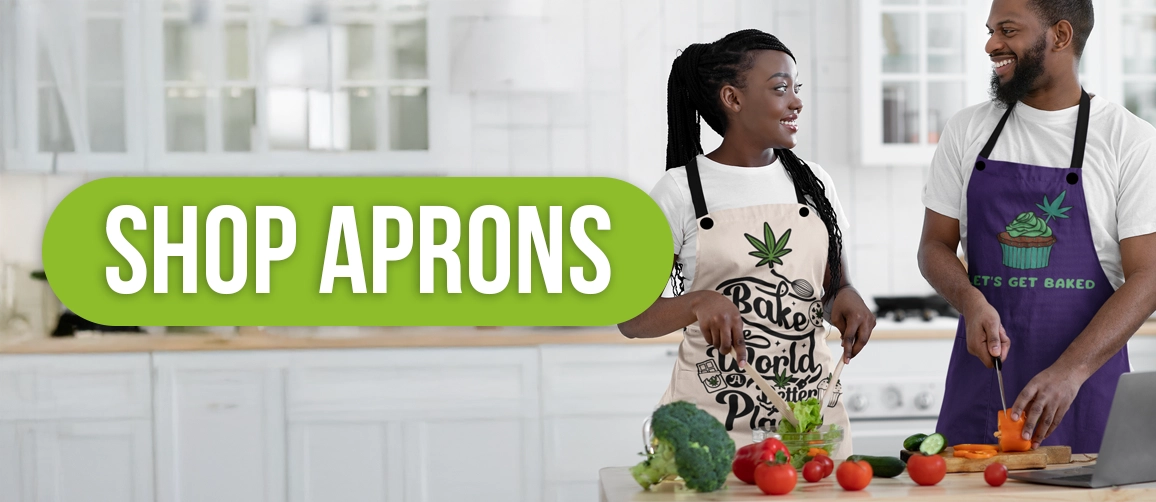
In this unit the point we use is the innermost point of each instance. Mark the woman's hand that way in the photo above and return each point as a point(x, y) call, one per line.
point(720, 322)
point(854, 320)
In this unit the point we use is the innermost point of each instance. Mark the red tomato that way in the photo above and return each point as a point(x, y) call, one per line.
point(827, 463)
point(926, 470)
point(776, 479)
point(813, 471)
point(854, 476)
point(995, 474)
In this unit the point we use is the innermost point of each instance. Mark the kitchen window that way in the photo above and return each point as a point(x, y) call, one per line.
point(921, 62)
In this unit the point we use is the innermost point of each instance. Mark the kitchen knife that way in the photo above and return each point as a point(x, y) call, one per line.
point(999, 377)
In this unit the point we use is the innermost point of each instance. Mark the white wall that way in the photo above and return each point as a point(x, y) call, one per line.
point(613, 122)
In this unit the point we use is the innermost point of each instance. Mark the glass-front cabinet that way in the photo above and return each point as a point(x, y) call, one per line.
point(921, 62)
point(194, 86)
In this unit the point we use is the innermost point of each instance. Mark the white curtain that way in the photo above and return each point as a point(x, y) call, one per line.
point(59, 31)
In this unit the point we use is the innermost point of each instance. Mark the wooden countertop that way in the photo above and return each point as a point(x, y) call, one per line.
point(616, 485)
point(276, 338)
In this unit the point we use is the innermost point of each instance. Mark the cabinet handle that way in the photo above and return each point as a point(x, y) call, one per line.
point(671, 352)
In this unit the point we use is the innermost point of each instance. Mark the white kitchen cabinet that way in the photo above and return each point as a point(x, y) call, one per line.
point(414, 425)
point(595, 399)
point(220, 428)
point(1142, 353)
point(97, 461)
point(75, 428)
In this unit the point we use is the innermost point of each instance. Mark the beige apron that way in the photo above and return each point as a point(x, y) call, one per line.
point(776, 284)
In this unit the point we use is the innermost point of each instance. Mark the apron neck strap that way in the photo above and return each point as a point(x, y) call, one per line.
point(1081, 131)
point(695, 184)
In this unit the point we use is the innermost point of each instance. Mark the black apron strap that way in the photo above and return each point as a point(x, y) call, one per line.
point(986, 152)
point(1081, 130)
point(695, 183)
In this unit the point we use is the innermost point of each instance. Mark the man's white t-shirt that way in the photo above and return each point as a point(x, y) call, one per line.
point(726, 187)
point(1119, 167)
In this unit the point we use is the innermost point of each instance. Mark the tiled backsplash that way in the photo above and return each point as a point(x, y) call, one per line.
point(615, 125)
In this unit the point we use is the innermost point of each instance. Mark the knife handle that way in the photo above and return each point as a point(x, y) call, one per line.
point(997, 362)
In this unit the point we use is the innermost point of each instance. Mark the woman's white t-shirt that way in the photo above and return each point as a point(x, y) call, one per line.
point(725, 187)
point(1119, 166)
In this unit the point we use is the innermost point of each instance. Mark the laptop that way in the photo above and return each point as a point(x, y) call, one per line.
point(1127, 452)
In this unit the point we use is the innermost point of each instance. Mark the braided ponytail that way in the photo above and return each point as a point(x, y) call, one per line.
point(696, 76)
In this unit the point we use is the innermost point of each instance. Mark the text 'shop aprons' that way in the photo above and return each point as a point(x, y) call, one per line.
point(770, 261)
point(1030, 252)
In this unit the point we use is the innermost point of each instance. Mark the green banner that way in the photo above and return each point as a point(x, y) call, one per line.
point(289, 251)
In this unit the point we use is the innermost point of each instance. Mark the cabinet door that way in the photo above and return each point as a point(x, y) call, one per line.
point(427, 461)
point(10, 485)
point(220, 431)
point(87, 462)
point(594, 401)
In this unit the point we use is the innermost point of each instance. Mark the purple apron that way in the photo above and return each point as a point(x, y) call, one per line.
point(1030, 252)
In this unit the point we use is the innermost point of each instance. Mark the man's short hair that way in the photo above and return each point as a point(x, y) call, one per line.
point(1077, 12)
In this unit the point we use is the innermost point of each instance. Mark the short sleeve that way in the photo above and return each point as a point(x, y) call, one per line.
point(943, 191)
point(832, 195)
point(675, 204)
point(1135, 204)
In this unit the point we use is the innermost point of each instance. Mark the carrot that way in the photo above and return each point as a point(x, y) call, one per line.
point(1010, 433)
point(815, 452)
point(975, 447)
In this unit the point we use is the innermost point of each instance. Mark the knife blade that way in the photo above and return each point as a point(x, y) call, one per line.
point(999, 377)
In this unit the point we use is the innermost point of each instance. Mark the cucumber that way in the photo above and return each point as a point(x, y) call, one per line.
point(933, 444)
point(883, 467)
point(912, 442)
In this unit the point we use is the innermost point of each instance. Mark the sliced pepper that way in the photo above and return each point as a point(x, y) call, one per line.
point(1010, 433)
point(975, 447)
point(815, 452)
point(974, 454)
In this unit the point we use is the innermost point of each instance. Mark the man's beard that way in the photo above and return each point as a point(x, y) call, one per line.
point(1029, 68)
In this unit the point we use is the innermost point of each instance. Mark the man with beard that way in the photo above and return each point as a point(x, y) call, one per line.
point(1050, 190)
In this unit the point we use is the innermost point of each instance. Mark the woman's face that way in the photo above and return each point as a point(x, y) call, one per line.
point(768, 105)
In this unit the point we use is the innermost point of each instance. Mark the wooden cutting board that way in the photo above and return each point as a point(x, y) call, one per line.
point(1036, 459)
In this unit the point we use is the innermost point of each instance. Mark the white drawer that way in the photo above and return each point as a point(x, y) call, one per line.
point(61, 386)
point(427, 383)
point(605, 379)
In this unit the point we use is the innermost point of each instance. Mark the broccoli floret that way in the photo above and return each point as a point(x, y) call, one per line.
point(690, 444)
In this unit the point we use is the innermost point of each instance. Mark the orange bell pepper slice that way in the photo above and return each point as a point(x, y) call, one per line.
point(974, 454)
point(975, 447)
point(1010, 433)
point(815, 452)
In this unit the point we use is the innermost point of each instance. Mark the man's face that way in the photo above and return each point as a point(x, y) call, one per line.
point(1018, 48)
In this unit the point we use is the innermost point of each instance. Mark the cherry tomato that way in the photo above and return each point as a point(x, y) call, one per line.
point(853, 476)
point(926, 470)
point(827, 463)
point(813, 471)
point(995, 474)
point(776, 479)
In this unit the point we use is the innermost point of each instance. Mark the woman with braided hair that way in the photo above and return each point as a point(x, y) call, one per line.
point(757, 241)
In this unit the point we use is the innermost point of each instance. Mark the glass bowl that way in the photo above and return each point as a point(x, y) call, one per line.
point(827, 438)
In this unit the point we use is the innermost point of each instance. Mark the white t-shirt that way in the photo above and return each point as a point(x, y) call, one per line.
point(726, 187)
point(1119, 166)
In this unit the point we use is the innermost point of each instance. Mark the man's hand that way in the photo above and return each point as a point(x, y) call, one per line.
point(986, 337)
point(1046, 399)
point(720, 322)
point(854, 320)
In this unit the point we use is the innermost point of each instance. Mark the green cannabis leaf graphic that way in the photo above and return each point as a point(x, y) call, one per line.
point(782, 379)
point(1052, 209)
point(770, 250)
